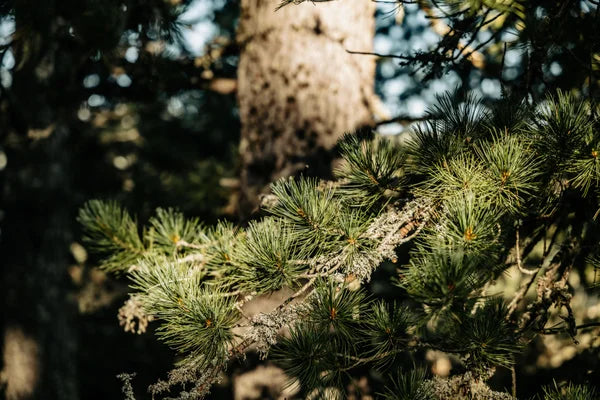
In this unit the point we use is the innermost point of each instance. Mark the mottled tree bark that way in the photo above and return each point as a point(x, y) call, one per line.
point(299, 89)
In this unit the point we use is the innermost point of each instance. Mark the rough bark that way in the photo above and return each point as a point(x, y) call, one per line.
point(299, 89)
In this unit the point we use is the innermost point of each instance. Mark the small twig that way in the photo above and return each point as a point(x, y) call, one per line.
point(518, 255)
point(183, 243)
point(190, 258)
point(369, 53)
point(479, 302)
point(416, 232)
point(513, 375)
point(359, 361)
point(552, 331)
point(308, 285)
point(518, 296)
point(231, 294)
point(401, 119)
point(502, 65)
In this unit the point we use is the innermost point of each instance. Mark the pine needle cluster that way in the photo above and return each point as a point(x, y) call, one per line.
point(468, 179)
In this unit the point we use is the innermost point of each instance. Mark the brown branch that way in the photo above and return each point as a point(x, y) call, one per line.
point(553, 331)
point(369, 53)
point(519, 296)
point(518, 256)
point(513, 375)
point(401, 119)
point(404, 233)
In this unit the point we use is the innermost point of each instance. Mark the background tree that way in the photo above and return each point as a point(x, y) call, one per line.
point(91, 102)
point(299, 89)
point(523, 46)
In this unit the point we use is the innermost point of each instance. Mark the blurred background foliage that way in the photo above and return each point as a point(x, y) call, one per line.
point(135, 101)
point(103, 99)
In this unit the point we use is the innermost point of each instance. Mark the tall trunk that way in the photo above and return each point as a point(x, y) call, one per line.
point(299, 89)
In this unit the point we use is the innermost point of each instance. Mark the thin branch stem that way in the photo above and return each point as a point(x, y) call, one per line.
point(553, 331)
point(513, 375)
point(368, 53)
point(183, 243)
point(519, 296)
point(518, 256)
point(401, 119)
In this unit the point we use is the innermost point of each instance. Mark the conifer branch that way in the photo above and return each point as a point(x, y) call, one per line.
point(455, 189)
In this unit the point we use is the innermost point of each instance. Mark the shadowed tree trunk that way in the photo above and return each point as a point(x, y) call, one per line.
point(299, 89)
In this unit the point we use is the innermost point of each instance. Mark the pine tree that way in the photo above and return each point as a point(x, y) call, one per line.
point(467, 197)
point(299, 89)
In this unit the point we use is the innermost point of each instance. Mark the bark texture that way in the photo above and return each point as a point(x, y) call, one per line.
point(299, 89)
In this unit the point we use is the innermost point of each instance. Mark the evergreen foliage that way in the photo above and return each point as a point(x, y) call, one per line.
point(111, 231)
point(569, 392)
point(461, 187)
point(372, 167)
point(409, 386)
point(270, 257)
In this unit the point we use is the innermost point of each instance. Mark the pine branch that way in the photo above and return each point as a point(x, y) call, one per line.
point(469, 183)
point(112, 232)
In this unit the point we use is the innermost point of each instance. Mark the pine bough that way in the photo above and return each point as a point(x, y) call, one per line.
point(474, 190)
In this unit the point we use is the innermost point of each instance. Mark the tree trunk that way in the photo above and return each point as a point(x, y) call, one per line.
point(299, 89)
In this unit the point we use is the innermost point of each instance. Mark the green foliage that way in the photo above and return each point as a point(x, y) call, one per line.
point(561, 126)
point(372, 170)
point(467, 222)
point(454, 176)
point(449, 129)
point(409, 386)
point(310, 211)
point(444, 278)
point(459, 114)
point(485, 337)
point(270, 256)
point(111, 231)
point(461, 186)
point(306, 355)
point(336, 310)
point(512, 168)
point(356, 250)
point(431, 145)
point(569, 392)
point(387, 331)
point(170, 231)
point(502, 171)
point(586, 169)
point(323, 346)
point(195, 321)
point(564, 137)
point(509, 115)
point(224, 239)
